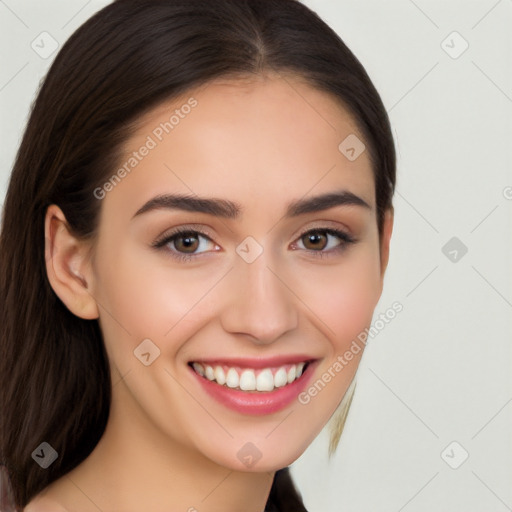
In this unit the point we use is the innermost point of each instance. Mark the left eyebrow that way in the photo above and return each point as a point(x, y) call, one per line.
point(232, 210)
point(324, 202)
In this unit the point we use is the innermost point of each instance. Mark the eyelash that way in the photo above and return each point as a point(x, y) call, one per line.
point(160, 243)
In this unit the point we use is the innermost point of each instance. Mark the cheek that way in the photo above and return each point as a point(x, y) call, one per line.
point(342, 296)
point(145, 296)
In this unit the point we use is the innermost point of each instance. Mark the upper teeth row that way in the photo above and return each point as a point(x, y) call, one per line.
point(247, 380)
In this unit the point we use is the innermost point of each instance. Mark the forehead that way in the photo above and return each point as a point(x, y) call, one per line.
point(275, 137)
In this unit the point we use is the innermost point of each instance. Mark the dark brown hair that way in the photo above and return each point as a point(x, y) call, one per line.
point(126, 59)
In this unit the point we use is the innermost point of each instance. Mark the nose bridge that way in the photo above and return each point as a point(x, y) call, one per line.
point(259, 303)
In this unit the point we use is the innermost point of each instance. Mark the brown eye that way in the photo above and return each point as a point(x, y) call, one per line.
point(325, 241)
point(187, 242)
point(315, 240)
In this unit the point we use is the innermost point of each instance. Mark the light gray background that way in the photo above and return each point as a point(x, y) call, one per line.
point(441, 370)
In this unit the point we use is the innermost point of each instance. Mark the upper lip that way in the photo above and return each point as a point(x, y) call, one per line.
point(256, 362)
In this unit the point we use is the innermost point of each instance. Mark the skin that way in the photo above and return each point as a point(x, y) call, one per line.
point(261, 143)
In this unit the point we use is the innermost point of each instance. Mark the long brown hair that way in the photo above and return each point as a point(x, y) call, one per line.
point(126, 59)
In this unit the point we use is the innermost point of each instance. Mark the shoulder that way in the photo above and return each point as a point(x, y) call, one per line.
point(44, 504)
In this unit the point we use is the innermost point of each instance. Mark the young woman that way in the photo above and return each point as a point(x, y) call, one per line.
point(195, 233)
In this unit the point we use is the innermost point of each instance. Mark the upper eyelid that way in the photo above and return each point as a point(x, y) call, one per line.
point(324, 224)
point(181, 230)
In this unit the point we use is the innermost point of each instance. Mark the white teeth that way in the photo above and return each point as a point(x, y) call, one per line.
point(219, 374)
point(209, 373)
point(280, 378)
point(247, 380)
point(292, 373)
point(198, 368)
point(265, 380)
point(232, 379)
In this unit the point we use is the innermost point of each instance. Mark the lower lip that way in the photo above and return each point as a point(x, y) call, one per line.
point(257, 402)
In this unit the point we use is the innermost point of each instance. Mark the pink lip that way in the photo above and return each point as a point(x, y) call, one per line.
point(256, 403)
point(254, 362)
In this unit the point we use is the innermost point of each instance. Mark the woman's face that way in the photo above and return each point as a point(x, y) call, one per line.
point(259, 282)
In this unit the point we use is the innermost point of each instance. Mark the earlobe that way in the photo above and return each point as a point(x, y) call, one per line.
point(67, 265)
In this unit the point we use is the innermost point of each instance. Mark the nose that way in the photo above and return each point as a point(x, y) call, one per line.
point(259, 305)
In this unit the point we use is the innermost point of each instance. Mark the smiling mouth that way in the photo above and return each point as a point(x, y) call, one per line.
point(250, 379)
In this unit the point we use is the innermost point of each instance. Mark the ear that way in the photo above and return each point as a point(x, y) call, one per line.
point(387, 230)
point(67, 265)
